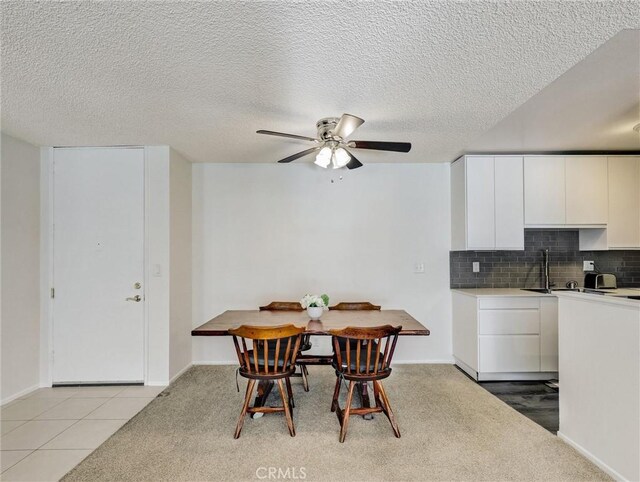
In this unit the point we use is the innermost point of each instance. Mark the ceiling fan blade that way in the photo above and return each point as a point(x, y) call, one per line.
point(346, 125)
point(299, 155)
point(381, 146)
point(282, 134)
point(353, 163)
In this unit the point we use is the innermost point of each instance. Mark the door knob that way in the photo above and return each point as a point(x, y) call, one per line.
point(135, 298)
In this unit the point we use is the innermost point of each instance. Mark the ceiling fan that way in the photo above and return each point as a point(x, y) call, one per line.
point(331, 143)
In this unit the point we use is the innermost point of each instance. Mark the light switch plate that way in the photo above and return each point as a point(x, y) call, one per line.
point(476, 266)
point(418, 268)
point(588, 266)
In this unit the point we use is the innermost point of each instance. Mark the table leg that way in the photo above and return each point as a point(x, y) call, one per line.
point(264, 388)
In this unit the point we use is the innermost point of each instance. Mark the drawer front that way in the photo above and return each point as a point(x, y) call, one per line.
point(509, 322)
point(511, 303)
point(509, 353)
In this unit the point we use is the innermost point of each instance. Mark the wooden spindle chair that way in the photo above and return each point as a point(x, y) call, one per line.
point(360, 362)
point(358, 306)
point(270, 357)
point(305, 344)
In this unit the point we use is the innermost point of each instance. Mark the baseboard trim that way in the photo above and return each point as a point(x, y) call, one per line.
point(517, 376)
point(445, 361)
point(156, 383)
point(180, 372)
point(221, 362)
point(592, 458)
point(466, 368)
point(21, 393)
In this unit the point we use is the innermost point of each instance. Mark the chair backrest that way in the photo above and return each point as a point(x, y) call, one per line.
point(272, 351)
point(355, 306)
point(365, 351)
point(282, 306)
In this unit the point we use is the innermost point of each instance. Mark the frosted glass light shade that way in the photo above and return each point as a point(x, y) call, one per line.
point(323, 159)
point(340, 158)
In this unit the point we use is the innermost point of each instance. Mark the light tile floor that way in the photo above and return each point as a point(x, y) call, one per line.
point(48, 432)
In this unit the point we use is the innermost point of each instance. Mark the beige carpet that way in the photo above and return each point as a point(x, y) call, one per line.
point(452, 429)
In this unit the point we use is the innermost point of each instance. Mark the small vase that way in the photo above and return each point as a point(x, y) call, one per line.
point(315, 312)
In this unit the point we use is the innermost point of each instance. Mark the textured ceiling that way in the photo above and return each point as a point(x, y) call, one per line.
point(592, 106)
point(203, 77)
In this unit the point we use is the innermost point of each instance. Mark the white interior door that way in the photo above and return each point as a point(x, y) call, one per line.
point(98, 257)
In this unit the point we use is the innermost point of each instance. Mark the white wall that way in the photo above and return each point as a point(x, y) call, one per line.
point(265, 232)
point(180, 264)
point(157, 239)
point(20, 255)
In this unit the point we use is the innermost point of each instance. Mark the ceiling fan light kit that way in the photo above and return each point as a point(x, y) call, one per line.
point(331, 144)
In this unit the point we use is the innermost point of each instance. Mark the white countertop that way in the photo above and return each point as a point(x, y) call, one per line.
point(606, 299)
point(509, 292)
point(481, 292)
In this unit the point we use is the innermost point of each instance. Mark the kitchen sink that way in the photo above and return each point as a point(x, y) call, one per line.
point(577, 290)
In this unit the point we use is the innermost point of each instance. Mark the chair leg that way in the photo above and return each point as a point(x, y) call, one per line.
point(347, 409)
point(287, 410)
point(245, 406)
point(336, 394)
point(290, 393)
point(304, 373)
point(376, 395)
point(387, 409)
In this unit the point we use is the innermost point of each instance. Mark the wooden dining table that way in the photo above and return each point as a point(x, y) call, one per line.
point(330, 320)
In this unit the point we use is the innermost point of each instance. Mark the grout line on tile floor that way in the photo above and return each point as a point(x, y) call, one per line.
point(94, 398)
point(4, 469)
point(114, 396)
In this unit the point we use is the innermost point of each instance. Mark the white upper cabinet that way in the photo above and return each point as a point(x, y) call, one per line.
point(624, 202)
point(509, 202)
point(494, 197)
point(486, 203)
point(565, 191)
point(544, 190)
point(481, 232)
point(587, 190)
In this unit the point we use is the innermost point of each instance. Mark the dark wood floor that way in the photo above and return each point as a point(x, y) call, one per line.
point(534, 400)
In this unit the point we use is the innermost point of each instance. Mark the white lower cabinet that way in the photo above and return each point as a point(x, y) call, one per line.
point(506, 338)
point(509, 353)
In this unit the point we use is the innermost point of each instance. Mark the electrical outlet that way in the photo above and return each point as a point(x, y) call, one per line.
point(418, 268)
point(588, 266)
point(476, 266)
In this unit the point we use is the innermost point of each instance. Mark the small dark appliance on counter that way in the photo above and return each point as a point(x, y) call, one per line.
point(600, 281)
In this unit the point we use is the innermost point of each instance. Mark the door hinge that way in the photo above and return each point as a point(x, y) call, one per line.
point(53, 292)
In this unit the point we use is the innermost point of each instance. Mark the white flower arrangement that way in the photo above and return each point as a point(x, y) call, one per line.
point(319, 301)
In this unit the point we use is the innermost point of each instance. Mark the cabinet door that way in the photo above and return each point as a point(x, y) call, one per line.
point(587, 190)
point(623, 230)
point(544, 190)
point(509, 199)
point(509, 322)
point(509, 353)
point(480, 203)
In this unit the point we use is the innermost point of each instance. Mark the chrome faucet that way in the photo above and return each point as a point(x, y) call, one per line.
point(545, 264)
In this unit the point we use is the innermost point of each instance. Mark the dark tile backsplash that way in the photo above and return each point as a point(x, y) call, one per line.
point(523, 269)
